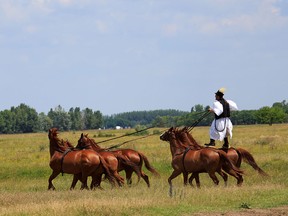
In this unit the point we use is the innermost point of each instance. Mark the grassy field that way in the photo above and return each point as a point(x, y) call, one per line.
point(25, 170)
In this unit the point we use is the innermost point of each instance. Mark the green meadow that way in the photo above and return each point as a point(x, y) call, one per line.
point(25, 170)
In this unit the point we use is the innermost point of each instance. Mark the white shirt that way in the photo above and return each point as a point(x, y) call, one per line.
point(220, 128)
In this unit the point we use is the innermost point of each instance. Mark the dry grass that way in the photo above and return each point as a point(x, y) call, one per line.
point(24, 174)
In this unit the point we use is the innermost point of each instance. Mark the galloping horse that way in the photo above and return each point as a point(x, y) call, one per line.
point(236, 155)
point(114, 160)
point(186, 160)
point(81, 163)
point(134, 163)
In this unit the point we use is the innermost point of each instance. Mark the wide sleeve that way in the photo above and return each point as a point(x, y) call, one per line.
point(233, 106)
point(217, 108)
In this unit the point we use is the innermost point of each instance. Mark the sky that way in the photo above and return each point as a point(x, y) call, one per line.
point(117, 56)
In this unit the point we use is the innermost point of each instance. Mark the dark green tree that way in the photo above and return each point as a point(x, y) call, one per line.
point(26, 119)
point(45, 123)
point(76, 118)
point(197, 108)
point(60, 118)
point(267, 115)
point(92, 120)
point(7, 122)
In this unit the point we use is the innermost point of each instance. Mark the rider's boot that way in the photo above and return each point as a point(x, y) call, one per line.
point(212, 143)
point(226, 143)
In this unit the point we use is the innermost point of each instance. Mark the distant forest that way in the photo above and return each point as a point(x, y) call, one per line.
point(24, 119)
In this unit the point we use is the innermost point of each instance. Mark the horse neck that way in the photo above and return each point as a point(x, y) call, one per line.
point(176, 147)
point(68, 144)
point(184, 139)
point(192, 141)
point(95, 146)
point(54, 146)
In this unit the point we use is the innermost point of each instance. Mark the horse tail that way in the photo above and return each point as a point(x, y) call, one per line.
point(128, 163)
point(228, 164)
point(249, 159)
point(107, 172)
point(148, 165)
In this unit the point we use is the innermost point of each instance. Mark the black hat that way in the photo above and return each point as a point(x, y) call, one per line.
point(220, 92)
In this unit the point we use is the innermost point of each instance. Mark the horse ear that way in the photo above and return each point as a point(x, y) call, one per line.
point(86, 135)
point(81, 135)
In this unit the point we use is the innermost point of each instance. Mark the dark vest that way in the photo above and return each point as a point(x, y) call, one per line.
point(226, 109)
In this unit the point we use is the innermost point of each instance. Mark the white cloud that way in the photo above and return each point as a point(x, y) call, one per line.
point(264, 17)
point(65, 2)
point(101, 26)
point(170, 29)
point(30, 29)
point(12, 11)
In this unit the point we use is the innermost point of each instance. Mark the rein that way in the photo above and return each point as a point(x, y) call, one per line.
point(62, 158)
point(125, 135)
point(118, 145)
point(184, 154)
point(206, 113)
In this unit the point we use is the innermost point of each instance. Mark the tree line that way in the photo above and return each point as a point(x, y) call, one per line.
point(24, 119)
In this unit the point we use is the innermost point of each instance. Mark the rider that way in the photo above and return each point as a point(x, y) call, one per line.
point(221, 126)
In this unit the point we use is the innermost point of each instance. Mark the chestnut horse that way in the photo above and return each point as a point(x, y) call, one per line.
point(186, 160)
point(81, 163)
point(114, 160)
point(236, 155)
point(134, 157)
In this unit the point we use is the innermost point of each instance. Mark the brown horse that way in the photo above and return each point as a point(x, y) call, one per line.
point(81, 163)
point(114, 160)
point(236, 155)
point(186, 160)
point(134, 163)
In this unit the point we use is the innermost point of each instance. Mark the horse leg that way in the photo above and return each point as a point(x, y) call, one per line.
point(172, 176)
point(96, 181)
point(185, 178)
point(52, 176)
point(234, 174)
point(118, 178)
point(84, 181)
point(128, 174)
point(214, 177)
point(196, 176)
point(224, 176)
point(76, 177)
point(239, 180)
point(146, 178)
point(197, 180)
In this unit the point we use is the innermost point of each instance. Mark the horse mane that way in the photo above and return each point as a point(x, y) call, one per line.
point(180, 144)
point(193, 143)
point(57, 143)
point(95, 146)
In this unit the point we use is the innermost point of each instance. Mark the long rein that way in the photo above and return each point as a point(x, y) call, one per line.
point(125, 135)
point(206, 113)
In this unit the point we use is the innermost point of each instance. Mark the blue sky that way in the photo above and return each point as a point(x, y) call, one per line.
point(133, 55)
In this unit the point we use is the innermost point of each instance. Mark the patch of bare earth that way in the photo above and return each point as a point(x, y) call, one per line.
point(279, 211)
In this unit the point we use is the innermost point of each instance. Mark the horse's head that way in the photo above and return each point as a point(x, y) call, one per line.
point(186, 137)
point(83, 141)
point(181, 133)
point(168, 135)
point(53, 133)
point(87, 143)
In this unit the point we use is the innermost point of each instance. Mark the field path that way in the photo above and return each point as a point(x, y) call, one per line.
point(279, 211)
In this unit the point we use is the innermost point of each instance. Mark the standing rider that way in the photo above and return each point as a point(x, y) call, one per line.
point(221, 126)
